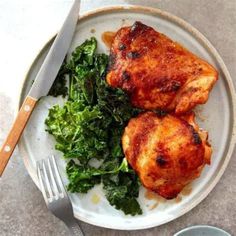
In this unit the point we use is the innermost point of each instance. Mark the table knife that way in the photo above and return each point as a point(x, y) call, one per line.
point(42, 83)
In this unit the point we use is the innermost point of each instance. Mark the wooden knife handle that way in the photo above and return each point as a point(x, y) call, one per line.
point(16, 131)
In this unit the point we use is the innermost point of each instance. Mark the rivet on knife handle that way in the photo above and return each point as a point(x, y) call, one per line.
point(16, 131)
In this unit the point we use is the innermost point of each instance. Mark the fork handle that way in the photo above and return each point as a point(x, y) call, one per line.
point(74, 228)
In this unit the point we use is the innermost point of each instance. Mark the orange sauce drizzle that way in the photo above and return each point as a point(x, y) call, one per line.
point(108, 37)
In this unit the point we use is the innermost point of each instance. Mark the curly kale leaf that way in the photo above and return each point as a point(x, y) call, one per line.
point(89, 126)
point(83, 55)
point(82, 178)
point(59, 85)
point(122, 192)
point(77, 132)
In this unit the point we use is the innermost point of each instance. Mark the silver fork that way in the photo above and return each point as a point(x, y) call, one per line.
point(55, 195)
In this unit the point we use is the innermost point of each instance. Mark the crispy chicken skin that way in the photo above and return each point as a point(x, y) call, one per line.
point(167, 152)
point(156, 72)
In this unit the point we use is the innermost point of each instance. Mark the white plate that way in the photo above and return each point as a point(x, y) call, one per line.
point(218, 116)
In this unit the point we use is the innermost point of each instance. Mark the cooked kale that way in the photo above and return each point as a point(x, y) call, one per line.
point(85, 177)
point(90, 125)
point(122, 191)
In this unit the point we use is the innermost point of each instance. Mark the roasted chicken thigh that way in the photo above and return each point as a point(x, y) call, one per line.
point(167, 152)
point(156, 72)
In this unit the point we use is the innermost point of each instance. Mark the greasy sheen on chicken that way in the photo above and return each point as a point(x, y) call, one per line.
point(156, 72)
point(167, 152)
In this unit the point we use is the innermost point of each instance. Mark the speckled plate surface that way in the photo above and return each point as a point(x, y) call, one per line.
point(216, 116)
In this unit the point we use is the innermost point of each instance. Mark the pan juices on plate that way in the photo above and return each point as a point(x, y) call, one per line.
point(166, 149)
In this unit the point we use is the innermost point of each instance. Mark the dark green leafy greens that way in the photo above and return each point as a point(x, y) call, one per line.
point(122, 192)
point(89, 126)
point(59, 85)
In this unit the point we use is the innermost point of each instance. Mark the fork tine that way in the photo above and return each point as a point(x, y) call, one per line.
point(47, 181)
point(58, 177)
point(55, 188)
point(42, 186)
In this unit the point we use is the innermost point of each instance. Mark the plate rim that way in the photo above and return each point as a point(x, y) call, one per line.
point(211, 49)
point(188, 229)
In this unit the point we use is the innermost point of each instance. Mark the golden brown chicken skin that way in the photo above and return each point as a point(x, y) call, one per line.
point(166, 152)
point(156, 72)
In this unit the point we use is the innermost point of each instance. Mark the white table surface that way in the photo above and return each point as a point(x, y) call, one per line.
point(25, 26)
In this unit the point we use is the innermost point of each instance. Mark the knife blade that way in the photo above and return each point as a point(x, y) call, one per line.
point(42, 84)
point(56, 55)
